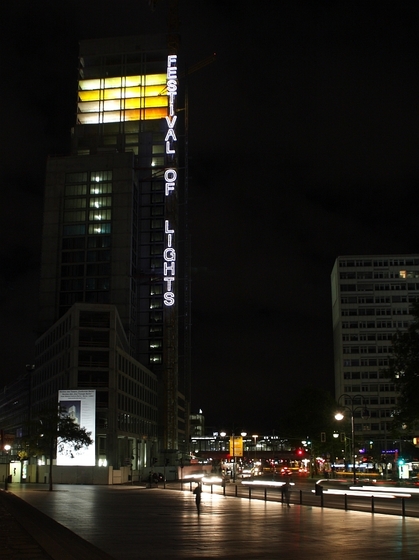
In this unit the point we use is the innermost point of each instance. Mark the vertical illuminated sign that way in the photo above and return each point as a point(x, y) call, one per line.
point(170, 183)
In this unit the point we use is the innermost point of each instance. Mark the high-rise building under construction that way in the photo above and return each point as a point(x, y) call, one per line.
point(114, 271)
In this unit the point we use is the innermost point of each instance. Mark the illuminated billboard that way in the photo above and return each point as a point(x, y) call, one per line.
point(81, 406)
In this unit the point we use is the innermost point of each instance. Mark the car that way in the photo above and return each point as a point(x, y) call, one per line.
point(285, 471)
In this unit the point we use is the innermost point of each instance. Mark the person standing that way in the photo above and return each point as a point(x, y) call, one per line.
point(286, 493)
point(197, 491)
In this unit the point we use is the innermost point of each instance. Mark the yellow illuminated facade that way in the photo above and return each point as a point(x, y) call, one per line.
point(122, 98)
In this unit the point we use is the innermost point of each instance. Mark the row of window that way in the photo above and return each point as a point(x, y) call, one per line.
point(56, 350)
point(378, 274)
point(49, 389)
point(367, 337)
point(100, 255)
point(355, 362)
point(365, 375)
point(81, 270)
point(375, 324)
point(383, 388)
point(377, 287)
point(135, 389)
point(137, 373)
point(364, 311)
point(95, 378)
point(67, 299)
point(136, 425)
point(367, 349)
point(94, 176)
point(372, 427)
point(99, 228)
point(371, 400)
point(378, 299)
point(143, 409)
point(93, 215)
point(371, 388)
point(407, 261)
point(94, 202)
point(54, 335)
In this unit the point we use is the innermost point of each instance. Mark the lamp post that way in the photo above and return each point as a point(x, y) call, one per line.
point(255, 437)
point(352, 407)
point(7, 448)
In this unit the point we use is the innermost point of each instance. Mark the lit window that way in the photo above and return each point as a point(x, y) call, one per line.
point(99, 228)
point(99, 202)
point(101, 215)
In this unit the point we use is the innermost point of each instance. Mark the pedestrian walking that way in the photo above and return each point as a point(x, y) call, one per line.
point(285, 493)
point(197, 491)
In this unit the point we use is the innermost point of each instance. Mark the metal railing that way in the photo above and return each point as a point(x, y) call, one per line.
point(370, 502)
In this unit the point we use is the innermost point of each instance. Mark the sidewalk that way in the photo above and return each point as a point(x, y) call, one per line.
point(131, 522)
point(28, 533)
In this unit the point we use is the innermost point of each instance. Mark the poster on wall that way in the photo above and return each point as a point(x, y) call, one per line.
point(81, 406)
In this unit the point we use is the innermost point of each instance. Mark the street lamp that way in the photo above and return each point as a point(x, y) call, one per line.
point(7, 448)
point(352, 406)
point(255, 437)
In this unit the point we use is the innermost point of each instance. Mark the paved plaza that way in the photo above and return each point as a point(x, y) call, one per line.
point(133, 522)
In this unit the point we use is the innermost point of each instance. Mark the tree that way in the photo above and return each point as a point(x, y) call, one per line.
point(51, 430)
point(309, 413)
point(404, 371)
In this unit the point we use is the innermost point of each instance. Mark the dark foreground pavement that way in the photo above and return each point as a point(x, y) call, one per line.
point(131, 522)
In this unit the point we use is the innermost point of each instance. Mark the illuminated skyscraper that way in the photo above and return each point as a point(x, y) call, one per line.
point(371, 297)
point(112, 227)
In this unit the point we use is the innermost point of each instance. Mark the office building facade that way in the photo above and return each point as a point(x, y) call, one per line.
point(113, 236)
point(371, 298)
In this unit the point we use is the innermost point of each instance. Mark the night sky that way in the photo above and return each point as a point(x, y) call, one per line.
point(303, 147)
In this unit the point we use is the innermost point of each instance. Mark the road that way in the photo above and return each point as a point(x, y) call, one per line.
point(303, 493)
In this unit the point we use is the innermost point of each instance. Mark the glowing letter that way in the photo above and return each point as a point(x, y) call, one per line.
point(169, 298)
point(166, 227)
point(168, 268)
point(170, 175)
point(169, 254)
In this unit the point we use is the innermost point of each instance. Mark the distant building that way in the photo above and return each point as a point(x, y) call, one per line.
point(114, 290)
point(197, 422)
point(371, 296)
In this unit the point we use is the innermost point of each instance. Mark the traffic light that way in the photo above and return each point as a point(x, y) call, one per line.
point(323, 437)
point(400, 461)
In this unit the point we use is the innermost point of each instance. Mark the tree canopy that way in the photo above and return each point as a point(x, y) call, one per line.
point(308, 414)
point(404, 371)
point(50, 431)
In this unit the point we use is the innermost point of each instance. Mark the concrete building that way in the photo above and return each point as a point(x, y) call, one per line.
point(115, 246)
point(371, 296)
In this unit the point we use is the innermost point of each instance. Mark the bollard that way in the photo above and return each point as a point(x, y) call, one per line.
point(346, 502)
point(301, 497)
point(211, 489)
point(403, 507)
point(250, 493)
point(235, 490)
point(372, 504)
point(265, 494)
